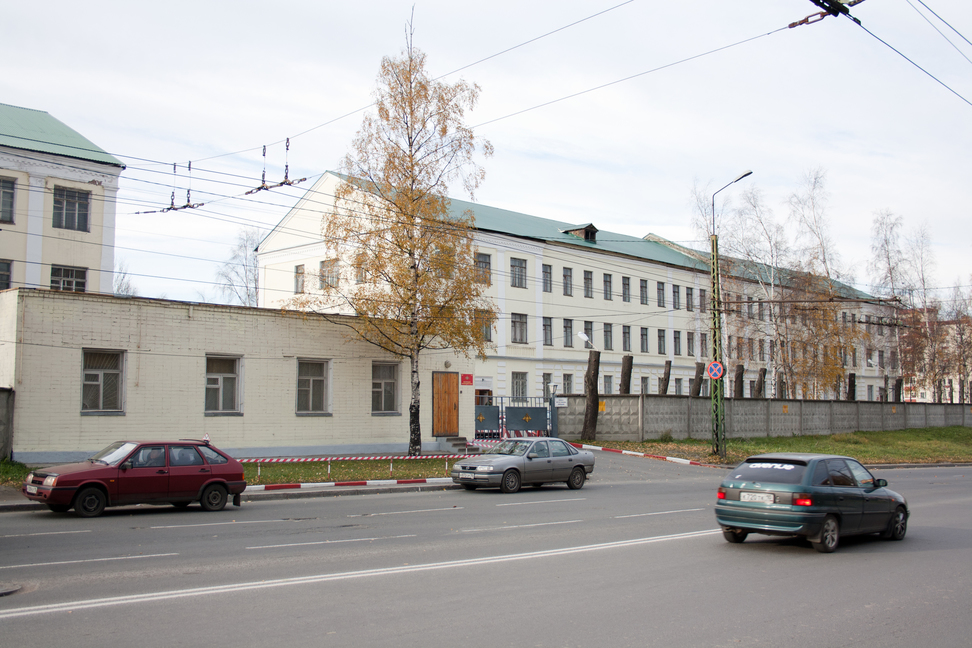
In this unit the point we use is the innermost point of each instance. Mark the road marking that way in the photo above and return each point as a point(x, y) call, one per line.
point(449, 508)
point(619, 517)
point(205, 524)
point(518, 526)
point(341, 576)
point(28, 535)
point(88, 560)
point(572, 499)
point(323, 542)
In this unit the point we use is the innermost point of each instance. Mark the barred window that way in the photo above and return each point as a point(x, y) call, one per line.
point(101, 389)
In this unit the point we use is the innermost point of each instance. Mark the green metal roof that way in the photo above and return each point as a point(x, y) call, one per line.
point(36, 130)
point(493, 219)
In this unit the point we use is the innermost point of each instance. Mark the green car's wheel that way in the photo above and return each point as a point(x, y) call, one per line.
point(734, 536)
point(897, 525)
point(829, 535)
point(511, 481)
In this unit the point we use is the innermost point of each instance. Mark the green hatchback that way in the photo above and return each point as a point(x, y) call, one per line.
point(820, 497)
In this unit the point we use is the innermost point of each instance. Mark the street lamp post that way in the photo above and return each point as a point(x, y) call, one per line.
point(716, 386)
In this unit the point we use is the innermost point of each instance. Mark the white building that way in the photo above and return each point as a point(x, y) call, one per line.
point(551, 280)
point(78, 371)
point(57, 205)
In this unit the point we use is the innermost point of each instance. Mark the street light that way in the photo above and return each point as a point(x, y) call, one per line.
point(716, 395)
point(582, 335)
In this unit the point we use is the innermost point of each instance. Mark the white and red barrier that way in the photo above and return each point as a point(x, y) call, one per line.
point(359, 458)
point(370, 482)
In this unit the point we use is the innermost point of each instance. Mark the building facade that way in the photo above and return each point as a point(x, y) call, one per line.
point(86, 370)
point(57, 205)
point(644, 297)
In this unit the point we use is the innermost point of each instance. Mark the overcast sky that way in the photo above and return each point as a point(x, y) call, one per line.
point(157, 83)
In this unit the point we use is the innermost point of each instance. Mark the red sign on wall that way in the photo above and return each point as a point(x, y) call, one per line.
point(466, 379)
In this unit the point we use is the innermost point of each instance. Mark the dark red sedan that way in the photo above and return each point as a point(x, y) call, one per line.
point(140, 472)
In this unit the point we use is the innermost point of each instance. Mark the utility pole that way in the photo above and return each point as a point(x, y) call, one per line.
point(716, 395)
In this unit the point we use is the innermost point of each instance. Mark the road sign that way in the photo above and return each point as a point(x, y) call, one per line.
point(714, 370)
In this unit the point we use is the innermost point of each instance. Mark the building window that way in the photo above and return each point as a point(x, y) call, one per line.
point(677, 342)
point(311, 386)
point(661, 341)
point(568, 384)
point(608, 337)
point(518, 273)
point(894, 360)
point(68, 279)
point(853, 356)
point(689, 340)
point(760, 311)
point(752, 348)
point(222, 384)
point(689, 299)
point(704, 345)
point(589, 284)
point(547, 278)
point(101, 389)
point(626, 338)
point(645, 384)
point(608, 290)
point(644, 339)
point(71, 209)
point(750, 308)
point(7, 200)
point(880, 359)
point(568, 282)
point(589, 332)
point(643, 284)
point(519, 323)
point(5, 273)
point(676, 297)
point(762, 350)
point(870, 392)
point(484, 265)
point(660, 294)
point(568, 332)
point(703, 304)
point(608, 384)
point(487, 324)
point(678, 386)
point(330, 275)
point(361, 274)
point(298, 279)
point(384, 388)
point(519, 385)
point(626, 289)
point(548, 331)
point(547, 379)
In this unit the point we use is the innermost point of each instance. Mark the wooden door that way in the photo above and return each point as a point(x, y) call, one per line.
point(445, 403)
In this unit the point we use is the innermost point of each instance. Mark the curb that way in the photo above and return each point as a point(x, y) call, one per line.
point(678, 460)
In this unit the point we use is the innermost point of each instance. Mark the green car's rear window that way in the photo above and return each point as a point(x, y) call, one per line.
point(770, 472)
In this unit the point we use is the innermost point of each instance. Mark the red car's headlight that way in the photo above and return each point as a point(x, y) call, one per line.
point(50, 480)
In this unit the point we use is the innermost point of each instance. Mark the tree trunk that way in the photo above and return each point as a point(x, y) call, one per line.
point(627, 362)
point(697, 381)
point(589, 432)
point(414, 425)
point(852, 387)
point(760, 385)
point(737, 383)
point(663, 383)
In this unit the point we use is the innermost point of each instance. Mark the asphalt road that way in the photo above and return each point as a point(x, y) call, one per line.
point(633, 559)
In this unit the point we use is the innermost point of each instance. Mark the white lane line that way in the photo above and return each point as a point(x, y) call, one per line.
point(572, 499)
point(324, 542)
point(87, 560)
point(619, 517)
point(518, 526)
point(205, 524)
point(28, 535)
point(449, 508)
point(326, 578)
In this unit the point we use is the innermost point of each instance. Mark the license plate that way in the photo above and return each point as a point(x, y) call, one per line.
point(466, 475)
point(32, 490)
point(765, 498)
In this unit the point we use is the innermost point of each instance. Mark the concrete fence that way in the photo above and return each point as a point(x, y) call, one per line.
point(639, 417)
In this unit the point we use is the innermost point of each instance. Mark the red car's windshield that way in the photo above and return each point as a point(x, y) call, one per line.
point(114, 453)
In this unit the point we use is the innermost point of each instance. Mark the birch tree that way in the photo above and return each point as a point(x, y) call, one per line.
point(411, 275)
point(237, 280)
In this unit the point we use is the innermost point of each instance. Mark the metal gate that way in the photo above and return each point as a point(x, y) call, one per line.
point(499, 417)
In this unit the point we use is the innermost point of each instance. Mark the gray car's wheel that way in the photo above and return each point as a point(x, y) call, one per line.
point(511, 481)
point(90, 502)
point(576, 479)
point(734, 536)
point(829, 535)
point(897, 525)
point(213, 498)
point(59, 508)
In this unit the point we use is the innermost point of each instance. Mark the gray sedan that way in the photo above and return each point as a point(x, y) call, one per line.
point(514, 462)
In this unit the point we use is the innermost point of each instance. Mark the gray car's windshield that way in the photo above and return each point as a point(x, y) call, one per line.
point(515, 448)
point(114, 453)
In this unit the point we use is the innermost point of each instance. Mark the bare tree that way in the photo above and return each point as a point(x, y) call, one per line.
point(238, 278)
point(123, 284)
